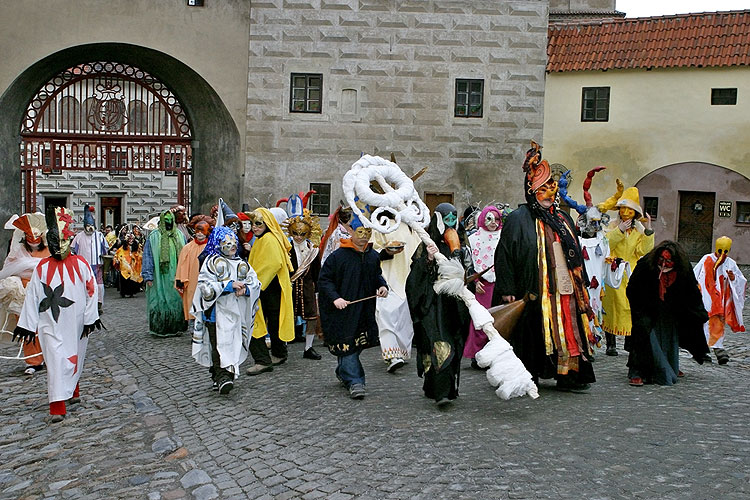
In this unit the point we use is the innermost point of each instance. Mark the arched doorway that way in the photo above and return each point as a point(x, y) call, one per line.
point(217, 159)
point(694, 203)
point(112, 119)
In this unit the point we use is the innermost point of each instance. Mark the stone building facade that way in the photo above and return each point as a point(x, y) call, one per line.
point(389, 73)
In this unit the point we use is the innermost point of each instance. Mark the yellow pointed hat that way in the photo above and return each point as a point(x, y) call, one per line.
point(631, 199)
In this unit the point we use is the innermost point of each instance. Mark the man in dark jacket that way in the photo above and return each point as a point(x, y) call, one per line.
point(350, 274)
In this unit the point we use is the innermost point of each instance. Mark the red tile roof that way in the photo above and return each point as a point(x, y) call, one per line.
point(685, 40)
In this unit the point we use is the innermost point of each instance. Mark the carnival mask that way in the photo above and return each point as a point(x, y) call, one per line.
point(723, 246)
point(363, 232)
point(665, 262)
point(247, 226)
point(33, 241)
point(490, 221)
point(59, 235)
point(169, 221)
point(450, 219)
point(626, 213)
point(546, 193)
point(88, 229)
point(202, 230)
point(228, 245)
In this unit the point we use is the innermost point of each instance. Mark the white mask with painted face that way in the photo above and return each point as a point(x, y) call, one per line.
point(228, 246)
point(247, 226)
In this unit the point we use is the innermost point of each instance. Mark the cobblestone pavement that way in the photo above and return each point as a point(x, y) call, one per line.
point(149, 426)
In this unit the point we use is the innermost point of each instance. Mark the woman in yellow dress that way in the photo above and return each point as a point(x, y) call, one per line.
point(629, 240)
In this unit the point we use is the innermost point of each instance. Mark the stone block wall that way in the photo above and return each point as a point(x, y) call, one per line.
point(144, 194)
point(389, 70)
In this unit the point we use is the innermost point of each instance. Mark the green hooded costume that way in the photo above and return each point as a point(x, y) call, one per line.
point(165, 315)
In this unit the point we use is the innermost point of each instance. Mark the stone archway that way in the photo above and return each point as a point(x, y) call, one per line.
point(217, 155)
point(668, 184)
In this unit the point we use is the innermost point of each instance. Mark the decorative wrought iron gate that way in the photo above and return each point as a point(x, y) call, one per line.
point(105, 116)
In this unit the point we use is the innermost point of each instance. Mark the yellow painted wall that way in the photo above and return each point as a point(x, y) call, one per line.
point(657, 118)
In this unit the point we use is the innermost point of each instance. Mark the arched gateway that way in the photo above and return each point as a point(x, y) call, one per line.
point(217, 161)
point(105, 117)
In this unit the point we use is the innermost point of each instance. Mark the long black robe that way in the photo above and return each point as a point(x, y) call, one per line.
point(516, 273)
point(681, 312)
point(441, 324)
point(349, 274)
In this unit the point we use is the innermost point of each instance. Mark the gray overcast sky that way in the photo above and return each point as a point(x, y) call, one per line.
point(645, 8)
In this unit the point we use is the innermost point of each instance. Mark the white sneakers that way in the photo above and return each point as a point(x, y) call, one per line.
point(395, 364)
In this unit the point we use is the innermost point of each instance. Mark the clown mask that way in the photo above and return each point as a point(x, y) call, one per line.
point(88, 229)
point(546, 193)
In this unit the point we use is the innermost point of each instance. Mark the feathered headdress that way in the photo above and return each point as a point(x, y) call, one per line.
point(306, 223)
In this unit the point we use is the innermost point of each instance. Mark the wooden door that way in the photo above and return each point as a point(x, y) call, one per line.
point(111, 212)
point(695, 229)
point(434, 199)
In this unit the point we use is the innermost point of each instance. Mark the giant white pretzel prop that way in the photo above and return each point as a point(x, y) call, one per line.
point(402, 202)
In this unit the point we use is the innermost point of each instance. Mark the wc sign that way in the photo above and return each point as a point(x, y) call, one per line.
point(725, 209)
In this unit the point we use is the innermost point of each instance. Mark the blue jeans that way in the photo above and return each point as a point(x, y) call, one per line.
point(349, 370)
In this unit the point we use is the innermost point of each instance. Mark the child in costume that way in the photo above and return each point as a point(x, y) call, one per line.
point(61, 305)
point(224, 305)
point(668, 314)
point(188, 265)
point(349, 281)
point(723, 290)
point(482, 244)
point(165, 315)
point(27, 250)
point(304, 230)
point(269, 257)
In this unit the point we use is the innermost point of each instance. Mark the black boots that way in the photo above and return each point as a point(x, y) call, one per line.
point(611, 344)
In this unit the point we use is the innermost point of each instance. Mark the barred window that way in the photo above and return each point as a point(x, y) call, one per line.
point(306, 93)
point(469, 98)
point(320, 201)
point(725, 97)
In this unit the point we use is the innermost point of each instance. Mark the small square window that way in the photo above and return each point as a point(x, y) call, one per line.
point(320, 201)
point(595, 104)
point(469, 98)
point(743, 212)
point(723, 97)
point(651, 206)
point(306, 93)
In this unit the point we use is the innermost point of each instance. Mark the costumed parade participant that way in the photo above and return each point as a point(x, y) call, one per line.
point(601, 269)
point(668, 314)
point(336, 231)
point(396, 329)
point(26, 252)
point(91, 245)
point(128, 261)
point(482, 244)
point(226, 303)
point(61, 306)
point(165, 314)
point(539, 254)
point(188, 265)
point(305, 232)
point(440, 321)
point(349, 282)
point(723, 290)
point(269, 257)
point(181, 220)
point(245, 234)
point(629, 240)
